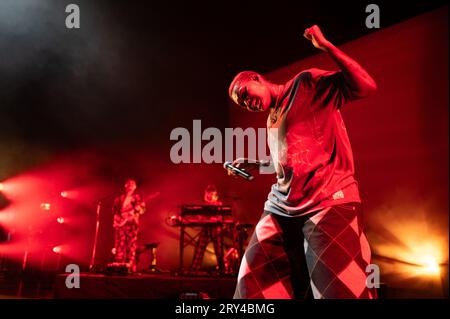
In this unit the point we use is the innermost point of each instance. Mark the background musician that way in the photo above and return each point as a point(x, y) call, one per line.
point(127, 208)
point(209, 233)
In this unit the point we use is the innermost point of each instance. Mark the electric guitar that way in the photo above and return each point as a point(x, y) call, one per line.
point(133, 213)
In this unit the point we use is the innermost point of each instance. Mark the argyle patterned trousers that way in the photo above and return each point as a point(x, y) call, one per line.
point(324, 255)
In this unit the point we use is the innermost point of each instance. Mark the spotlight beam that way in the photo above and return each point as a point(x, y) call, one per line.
point(395, 260)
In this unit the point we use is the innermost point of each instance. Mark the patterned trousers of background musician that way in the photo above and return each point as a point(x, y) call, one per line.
point(125, 243)
point(208, 233)
point(325, 255)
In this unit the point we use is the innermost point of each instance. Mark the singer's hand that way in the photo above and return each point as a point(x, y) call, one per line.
point(314, 34)
point(246, 164)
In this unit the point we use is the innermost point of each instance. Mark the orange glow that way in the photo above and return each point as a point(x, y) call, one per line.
point(429, 265)
point(56, 249)
point(64, 194)
point(2, 187)
point(60, 220)
point(415, 247)
point(421, 258)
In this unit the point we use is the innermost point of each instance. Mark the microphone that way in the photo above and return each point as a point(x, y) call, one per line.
point(228, 166)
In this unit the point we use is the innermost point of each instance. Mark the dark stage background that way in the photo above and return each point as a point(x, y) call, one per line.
point(80, 110)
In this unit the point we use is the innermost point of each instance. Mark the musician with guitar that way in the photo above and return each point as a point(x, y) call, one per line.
point(127, 209)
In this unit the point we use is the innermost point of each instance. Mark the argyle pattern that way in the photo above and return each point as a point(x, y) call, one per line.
point(321, 256)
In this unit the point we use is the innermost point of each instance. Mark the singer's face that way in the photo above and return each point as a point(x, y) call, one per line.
point(252, 94)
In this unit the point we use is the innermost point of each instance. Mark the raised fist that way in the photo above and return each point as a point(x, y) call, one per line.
point(316, 37)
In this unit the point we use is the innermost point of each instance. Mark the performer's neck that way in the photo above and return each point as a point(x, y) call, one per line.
point(276, 91)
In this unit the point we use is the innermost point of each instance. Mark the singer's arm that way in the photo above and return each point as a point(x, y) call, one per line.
point(356, 77)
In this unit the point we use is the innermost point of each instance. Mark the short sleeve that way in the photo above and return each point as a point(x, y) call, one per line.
point(332, 89)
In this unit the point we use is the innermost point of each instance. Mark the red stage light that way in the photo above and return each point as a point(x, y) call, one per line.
point(60, 220)
point(2, 187)
point(6, 217)
point(45, 206)
point(64, 194)
point(56, 249)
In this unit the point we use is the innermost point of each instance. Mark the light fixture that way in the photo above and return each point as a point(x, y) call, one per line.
point(45, 206)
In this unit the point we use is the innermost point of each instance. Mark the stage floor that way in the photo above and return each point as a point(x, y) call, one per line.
point(144, 286)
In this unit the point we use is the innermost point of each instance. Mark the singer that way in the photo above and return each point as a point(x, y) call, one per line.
point(309, 241)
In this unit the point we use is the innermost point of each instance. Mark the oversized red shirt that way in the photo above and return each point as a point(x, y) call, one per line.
point(309, 145)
